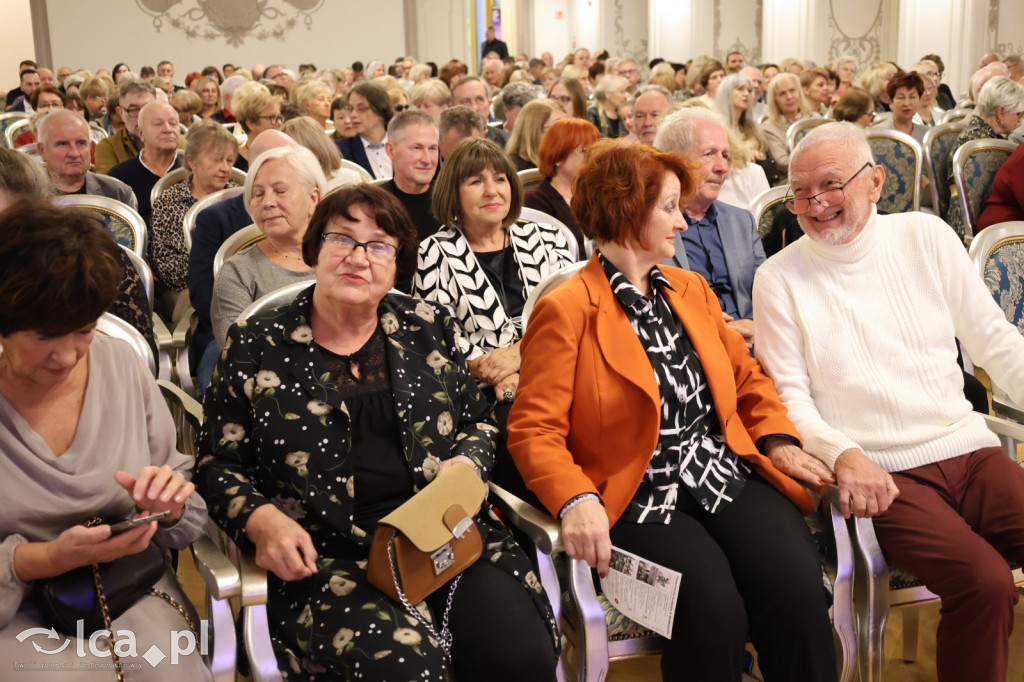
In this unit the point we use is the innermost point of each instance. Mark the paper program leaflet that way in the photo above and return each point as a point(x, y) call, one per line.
point(642, 590)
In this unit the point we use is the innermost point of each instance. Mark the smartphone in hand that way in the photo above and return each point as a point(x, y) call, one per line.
point(122, 526)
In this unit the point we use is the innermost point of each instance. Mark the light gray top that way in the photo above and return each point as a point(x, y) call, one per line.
point(124, 426)
point(917, 132)
point(243, 278)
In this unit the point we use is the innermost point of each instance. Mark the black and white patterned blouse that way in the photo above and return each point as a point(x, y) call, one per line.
point(449, 273)
point(691, 448)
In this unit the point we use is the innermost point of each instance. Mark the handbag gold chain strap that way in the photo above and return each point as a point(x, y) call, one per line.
point(444, 638)
point(105, 610)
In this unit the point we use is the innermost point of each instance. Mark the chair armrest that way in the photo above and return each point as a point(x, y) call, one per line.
point(544, 531)
point(164, 340)
point(254, 579)
point(183, 327)
point(220, 575)
point(1005, 427)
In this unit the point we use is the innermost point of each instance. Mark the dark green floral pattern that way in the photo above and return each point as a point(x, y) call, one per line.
point(277, 432)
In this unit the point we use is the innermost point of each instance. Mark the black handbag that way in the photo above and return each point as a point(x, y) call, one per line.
point(65, 599)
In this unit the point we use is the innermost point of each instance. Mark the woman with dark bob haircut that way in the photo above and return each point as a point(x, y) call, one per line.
point(85, 434)
point(327, 414)
point(642, 421)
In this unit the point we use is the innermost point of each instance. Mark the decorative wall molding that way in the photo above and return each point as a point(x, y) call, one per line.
point(752, 55)
point(626, 47)
point(234, 21)
point(866, 47)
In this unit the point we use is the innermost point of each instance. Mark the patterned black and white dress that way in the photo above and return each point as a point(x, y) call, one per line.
point(450, 274)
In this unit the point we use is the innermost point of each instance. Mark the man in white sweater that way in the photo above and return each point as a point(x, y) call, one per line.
point(856, 324)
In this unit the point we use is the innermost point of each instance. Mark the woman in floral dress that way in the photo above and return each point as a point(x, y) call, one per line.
point(324, 416)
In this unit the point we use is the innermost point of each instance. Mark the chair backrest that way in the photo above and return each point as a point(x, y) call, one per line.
point(145, 274)
point(189, 221)
point(97, 134)
point(975, 165)
point(937, 142)
point(546, 285)
point(121, 220)
point(901, 156)
point(352, 165)
point(187, 414)
point(115, 327)
point(15, 128)
point(798, 129)
point(245, 237)
point(171, 178)
point(275, 299)
point(530, 177)
point(998, 254)
point(965, 103)
point(532, 215)
point(766, 206)
point(6, 119)
point(956, 115)
point(181, 174)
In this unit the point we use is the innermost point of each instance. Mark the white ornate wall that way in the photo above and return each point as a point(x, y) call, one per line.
point(99, 33)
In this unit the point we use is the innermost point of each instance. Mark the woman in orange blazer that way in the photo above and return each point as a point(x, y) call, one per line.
point(641, 419)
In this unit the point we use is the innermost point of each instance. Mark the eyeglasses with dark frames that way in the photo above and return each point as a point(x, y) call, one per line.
point(378, 252)
point(833, 196)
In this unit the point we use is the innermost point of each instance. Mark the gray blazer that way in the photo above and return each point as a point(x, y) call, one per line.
point(743, 253)
point(106, 186)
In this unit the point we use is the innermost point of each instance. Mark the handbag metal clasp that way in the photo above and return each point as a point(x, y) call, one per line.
point(443, 557)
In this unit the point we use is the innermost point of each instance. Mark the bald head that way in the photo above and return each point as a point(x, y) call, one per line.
point(984, 75)
point(269, 139)
point(847, 136)
point(158, 126)
point(988, 58)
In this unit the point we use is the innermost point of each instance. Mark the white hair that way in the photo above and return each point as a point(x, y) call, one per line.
point(1000, 91)
point(306, 167)
point(677, 132)
point(834, 134)
point(46, 122)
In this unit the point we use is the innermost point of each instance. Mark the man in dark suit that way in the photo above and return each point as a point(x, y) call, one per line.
point(492, 44)
point(721, 244)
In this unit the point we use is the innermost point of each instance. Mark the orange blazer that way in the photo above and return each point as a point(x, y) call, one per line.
point(587, 410)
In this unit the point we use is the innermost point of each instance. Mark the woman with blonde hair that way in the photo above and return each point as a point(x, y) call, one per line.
point(209, 92)
point(875, 80)
point(304, 131)
point(610, 93)
point(256, 110)
point(786, 105)
point(533, 121)
point(734, 100)
point(314, 96)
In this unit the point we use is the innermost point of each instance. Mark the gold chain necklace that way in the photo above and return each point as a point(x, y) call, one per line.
point(280, 252)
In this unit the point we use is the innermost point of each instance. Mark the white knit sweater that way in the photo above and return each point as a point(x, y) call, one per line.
point(860, 342)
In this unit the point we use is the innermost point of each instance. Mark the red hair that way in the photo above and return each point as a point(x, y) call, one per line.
point(564, 135)
point(615, 191)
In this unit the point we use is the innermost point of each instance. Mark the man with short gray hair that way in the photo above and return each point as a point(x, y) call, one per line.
point(456, 124)
point(514, 97)
point(650, 106)
point(721, 243)
point(857, 325)
point(471, 91)
point(64, 146)
point(413, 148)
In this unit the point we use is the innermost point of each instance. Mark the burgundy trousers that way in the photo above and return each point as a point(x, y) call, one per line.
point(955, 526)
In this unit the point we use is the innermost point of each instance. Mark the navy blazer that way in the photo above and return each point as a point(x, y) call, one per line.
point(213, 226)
point(351, 148)
point(743, 253)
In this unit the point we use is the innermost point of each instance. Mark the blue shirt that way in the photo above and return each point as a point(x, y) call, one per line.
point(706, 255)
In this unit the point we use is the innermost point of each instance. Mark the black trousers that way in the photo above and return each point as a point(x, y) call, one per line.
point(751, 570)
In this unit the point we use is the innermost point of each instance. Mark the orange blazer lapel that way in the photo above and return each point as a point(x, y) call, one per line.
point(620, 347)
